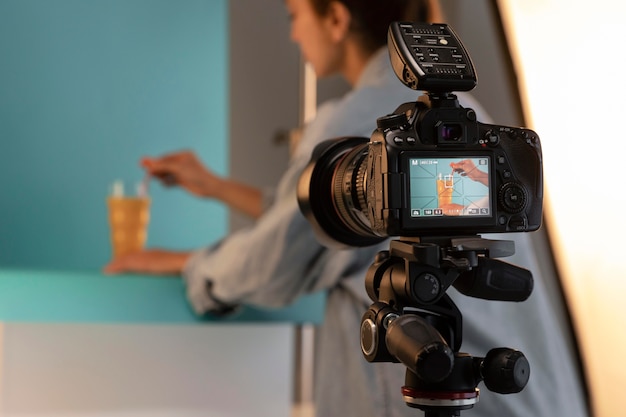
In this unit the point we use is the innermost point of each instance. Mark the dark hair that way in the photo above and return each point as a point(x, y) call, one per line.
point(371, 18)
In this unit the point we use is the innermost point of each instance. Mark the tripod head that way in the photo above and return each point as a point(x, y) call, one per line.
point(413, 321)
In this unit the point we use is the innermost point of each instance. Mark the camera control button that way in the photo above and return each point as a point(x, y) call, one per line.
point(501, 160)
point(411, 140)
point(492, 138)
point(398, 140)
point(518, 224)
point(513, 197)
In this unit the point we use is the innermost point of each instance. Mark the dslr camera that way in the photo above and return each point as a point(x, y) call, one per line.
point(430, 168)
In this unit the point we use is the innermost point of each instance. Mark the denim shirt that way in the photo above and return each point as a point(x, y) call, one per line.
point(278, 259)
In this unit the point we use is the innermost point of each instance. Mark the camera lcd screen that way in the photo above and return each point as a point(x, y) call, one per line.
point(457, 187)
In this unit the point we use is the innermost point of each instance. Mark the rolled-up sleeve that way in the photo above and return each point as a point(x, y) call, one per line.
point(268, 264)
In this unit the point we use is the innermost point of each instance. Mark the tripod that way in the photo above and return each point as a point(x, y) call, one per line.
point(413, 321)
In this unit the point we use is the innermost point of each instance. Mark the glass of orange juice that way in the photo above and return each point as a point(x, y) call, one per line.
point(445, 188)
point(128, 220)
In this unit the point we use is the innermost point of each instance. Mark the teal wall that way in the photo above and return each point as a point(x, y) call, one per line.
point(88, 87)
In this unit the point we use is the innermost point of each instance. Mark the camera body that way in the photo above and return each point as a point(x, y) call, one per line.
point(430, 168)
point(420, 183)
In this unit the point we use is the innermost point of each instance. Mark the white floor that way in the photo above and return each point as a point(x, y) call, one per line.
point(85, 370)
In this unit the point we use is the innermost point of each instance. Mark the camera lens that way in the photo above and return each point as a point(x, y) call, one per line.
point(332, 193)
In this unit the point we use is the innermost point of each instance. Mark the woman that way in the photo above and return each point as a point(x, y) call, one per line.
point(278, 259)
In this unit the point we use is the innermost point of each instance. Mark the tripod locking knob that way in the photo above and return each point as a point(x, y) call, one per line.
point(505, 371)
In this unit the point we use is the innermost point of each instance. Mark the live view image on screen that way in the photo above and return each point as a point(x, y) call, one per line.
point(449, 187)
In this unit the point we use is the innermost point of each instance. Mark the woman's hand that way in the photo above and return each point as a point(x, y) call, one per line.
point(152, 262)
point(467, 168)
point(185, 170)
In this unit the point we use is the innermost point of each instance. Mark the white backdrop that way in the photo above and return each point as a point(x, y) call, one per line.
point(571, 65)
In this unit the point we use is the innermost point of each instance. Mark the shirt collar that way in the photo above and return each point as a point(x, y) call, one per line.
point(376, 68)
